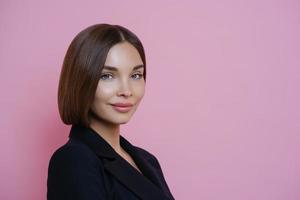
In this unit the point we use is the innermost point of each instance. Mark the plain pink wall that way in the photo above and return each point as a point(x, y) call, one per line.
point(221, 110)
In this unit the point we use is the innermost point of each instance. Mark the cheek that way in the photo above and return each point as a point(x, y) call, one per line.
point(105, 92)
point(140, 91)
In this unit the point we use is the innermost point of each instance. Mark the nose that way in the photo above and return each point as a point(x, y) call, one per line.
point(124, 89)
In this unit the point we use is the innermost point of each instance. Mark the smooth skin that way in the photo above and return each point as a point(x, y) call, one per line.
point(121, 81)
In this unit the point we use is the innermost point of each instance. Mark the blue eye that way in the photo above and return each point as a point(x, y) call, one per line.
point(106, 76)
point(138, 76)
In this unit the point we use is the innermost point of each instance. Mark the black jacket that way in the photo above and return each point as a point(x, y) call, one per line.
point(88, 168)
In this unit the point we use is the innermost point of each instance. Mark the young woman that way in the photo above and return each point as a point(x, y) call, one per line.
point(101, 85)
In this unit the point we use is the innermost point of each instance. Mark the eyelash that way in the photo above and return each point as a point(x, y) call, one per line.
point(107, 74)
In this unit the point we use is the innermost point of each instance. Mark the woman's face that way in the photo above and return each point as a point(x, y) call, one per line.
point(121, 82)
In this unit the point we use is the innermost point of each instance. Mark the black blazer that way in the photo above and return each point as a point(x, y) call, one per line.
point(88, 168)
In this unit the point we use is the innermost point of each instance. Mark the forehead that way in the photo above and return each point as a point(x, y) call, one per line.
point(123, 56)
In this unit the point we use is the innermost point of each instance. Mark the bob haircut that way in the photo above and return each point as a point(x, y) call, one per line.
point(82, 67)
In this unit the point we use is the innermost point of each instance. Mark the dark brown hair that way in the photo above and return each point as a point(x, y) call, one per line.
point(82, 68)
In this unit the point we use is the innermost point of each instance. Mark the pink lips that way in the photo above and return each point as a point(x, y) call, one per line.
point(122, 107)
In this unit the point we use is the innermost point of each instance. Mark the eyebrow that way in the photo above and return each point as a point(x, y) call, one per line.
point(116, 69)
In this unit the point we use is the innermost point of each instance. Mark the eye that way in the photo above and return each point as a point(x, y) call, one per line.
point(106, 76)
point(138, 76)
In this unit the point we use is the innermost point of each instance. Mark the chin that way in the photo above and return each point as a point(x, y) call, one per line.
point(112, 119)
point(124, 121)
point(121, 120)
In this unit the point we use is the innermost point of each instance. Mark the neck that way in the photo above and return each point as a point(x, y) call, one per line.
point(109, 132)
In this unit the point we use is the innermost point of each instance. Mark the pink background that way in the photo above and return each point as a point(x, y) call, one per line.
point(221, 110)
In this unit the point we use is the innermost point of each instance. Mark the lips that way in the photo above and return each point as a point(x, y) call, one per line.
point(122, 104)
point(122, 107)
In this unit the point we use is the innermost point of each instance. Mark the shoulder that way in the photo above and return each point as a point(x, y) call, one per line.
point(157, 167)
point(144, 152)
point(150, 157)
point(72, 150)
point(71, 158)
point(73, 173)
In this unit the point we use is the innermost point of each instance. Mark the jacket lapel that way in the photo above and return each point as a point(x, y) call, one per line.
point(145, 186)
point(143, 162)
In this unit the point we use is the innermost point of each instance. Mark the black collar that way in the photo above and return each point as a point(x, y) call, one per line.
point(94, 141)
point(147, 186)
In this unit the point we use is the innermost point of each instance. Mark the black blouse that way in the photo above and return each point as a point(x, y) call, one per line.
point(88, 168)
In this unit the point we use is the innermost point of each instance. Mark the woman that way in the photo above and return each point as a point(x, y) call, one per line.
point(101, 85)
